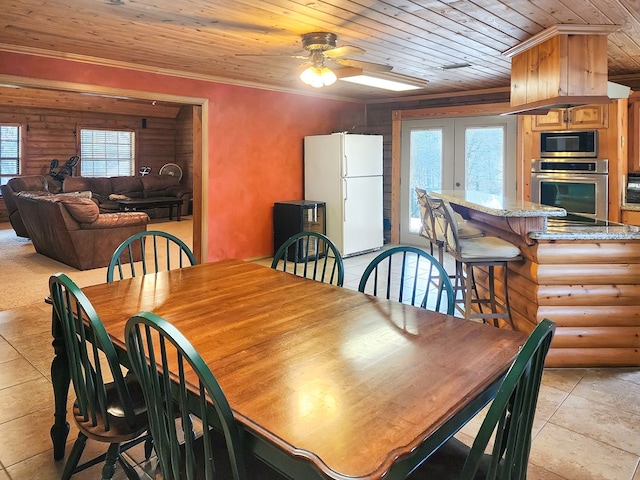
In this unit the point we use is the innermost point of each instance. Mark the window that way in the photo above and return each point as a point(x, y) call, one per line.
point(106, 153)
point(9, 152)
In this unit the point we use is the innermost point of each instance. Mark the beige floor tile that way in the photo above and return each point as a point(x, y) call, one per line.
point(7, 352)
point(25, 437)
point(17, 371)
point(600, 422)
point(627, 374)
point(47, 468)
point(37, 349)
point(564, 379)
point(26, 398)
point(608, 386)
point(537, 473)
point(4, 475)
point(577, 457)
point(637, 475)
point(549, 400)
point(25, 321)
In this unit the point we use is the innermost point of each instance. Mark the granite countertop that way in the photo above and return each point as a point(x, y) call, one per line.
point(612, 231)
point(555, 228)
point(632, 207)
point(497, 205)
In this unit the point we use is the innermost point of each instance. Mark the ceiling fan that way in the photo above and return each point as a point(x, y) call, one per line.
point(322, 47)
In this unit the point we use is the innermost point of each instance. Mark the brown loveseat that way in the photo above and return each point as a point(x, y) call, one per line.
point(71, 229)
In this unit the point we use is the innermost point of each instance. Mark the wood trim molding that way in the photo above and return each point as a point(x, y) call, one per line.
point(561, 29)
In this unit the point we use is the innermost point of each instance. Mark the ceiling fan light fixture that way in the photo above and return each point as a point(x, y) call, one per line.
point(318, 76)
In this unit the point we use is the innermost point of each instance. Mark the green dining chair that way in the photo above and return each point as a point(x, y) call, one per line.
point(178, 384)
point(311, 255)
point(151, 251)
point(409, 275)
point(508, 421)
point(109, 405)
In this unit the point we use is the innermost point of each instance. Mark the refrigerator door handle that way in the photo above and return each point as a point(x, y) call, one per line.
point(344, 201)
point(345, 166)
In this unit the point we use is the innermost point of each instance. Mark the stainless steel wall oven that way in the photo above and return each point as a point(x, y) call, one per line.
point(579, 185)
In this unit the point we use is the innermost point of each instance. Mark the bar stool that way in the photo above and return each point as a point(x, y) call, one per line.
point(488, 252)
point(432, 227)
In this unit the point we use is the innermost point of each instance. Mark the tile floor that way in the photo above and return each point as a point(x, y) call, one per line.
point(587, 427)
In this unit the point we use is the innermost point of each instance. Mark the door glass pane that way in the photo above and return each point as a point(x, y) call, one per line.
point(484, 159)
point(425, 168)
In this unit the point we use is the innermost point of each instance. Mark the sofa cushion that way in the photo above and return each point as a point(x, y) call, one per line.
point(29, 182)
point(159, 185)
point(100, 187)
point(82, 209)
point(115, 220)
point(128, 186)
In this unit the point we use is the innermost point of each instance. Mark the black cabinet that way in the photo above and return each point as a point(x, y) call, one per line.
point(297, 216)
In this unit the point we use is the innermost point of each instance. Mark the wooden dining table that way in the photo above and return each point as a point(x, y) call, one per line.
point(327, 382)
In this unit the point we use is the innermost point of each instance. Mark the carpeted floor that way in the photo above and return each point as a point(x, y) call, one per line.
point(24, 274)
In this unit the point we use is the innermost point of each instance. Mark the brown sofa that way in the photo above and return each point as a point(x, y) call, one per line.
point(31, 183)
point(71, 229)
point(146, 186)
point(101, 189)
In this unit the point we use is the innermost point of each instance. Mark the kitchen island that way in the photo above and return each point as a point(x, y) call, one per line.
point(582, 274)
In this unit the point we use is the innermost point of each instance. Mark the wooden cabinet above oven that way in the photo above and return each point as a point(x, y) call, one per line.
point(612, 145)
point(584, 117)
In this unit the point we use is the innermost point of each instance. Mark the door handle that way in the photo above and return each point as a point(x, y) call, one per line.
point(344, 202)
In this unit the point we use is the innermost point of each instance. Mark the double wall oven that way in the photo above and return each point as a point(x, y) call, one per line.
point(575, 180)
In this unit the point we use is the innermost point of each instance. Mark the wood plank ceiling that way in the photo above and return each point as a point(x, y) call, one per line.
point(255, 42)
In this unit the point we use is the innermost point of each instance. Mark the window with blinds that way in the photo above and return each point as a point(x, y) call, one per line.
point(9, 152)
point(106, 153)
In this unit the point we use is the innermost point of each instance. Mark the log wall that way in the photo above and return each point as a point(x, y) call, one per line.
point(50, 133)
point(590, 289)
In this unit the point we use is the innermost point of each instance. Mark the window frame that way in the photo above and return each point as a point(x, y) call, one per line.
point(134, 148)
point(9, 176)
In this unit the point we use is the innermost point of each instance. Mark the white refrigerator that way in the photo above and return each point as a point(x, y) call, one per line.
point(345, 171)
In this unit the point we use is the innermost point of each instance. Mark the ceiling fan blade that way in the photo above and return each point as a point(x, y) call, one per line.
point(342, 51)
point(367, 66)
point(343, 72)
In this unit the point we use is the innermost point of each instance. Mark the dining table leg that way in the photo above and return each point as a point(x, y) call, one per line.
point(60, 379)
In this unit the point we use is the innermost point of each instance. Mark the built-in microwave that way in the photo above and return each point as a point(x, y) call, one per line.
point(583, 144)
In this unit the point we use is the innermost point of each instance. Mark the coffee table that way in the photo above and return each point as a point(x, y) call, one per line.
point(143, 203)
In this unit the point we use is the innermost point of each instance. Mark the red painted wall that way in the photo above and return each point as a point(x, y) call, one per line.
point(255, 143)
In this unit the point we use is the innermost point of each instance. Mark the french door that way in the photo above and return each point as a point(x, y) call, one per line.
point(462, 153)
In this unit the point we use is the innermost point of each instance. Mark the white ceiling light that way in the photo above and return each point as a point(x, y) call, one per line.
point(383, 83)
point(318, 76)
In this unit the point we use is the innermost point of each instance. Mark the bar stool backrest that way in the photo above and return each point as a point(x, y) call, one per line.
point(428, 225)
point(446, 224)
